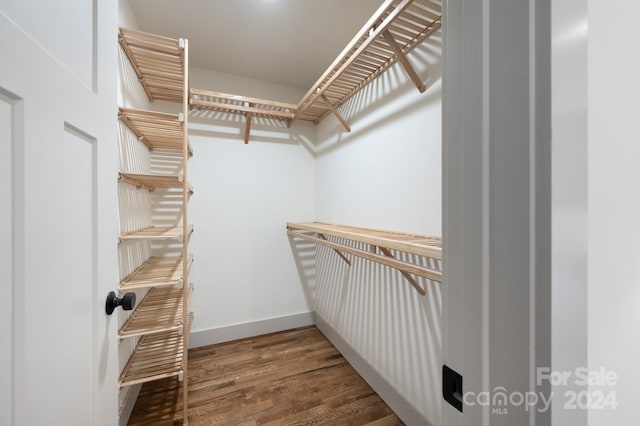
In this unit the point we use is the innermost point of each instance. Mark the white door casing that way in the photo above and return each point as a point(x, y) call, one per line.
point(58, 89)
point(7, 115)
point(496, 206)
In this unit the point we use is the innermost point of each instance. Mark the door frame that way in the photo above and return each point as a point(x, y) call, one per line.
point(496, 203)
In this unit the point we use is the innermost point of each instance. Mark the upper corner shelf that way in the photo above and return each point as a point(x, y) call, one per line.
point(236, 104)
point(395, 28)
point(159, 63)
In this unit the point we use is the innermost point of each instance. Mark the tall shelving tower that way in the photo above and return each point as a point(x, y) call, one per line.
point(161, 322)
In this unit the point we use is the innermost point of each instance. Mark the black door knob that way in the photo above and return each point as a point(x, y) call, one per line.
point(128, 301)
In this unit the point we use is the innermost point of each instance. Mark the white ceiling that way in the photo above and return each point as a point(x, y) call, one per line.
point(290, 42)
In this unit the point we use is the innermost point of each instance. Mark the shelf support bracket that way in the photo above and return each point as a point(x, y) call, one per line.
point(402, 58)
point(385, 260)
point(336, 250)
point(335, 112)
point(405, 274)
point(136, 183)
point(247, 128)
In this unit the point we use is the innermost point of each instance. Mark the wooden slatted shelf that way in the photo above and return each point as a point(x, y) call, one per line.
point(158, 62)
point(158, 233)
point(157, 356)
point(153, 181)
point(395, 28)
point(380, 245)
point(235, 104)
point(157, 130)
point(157, 272)
point(160, 321)
point(161, 310)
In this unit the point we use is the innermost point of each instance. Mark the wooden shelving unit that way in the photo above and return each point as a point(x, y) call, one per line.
point(151, 181)
point(157, 272)
point(158, 356)
point(159, 233)
point(160, 63)
point(161, 321)
point(381, 244)
point(159, 311)
point(157, 130)
point(393, 30)
point(386, 38)
point(243, 105)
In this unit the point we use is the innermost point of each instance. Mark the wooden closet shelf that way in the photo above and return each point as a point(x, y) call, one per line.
point(158, 272)
point(157, 130)
point(159, 63)
point(408, 243)
point(236, 104)
point(161, 310)
point(151, 181)
point(380, 245)
point(158, 233)
point(157, 356)
point(395, 28)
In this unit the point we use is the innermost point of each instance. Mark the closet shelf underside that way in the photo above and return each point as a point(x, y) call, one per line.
point(153, 181)
point(380, 246)
point(161, 310)
point(158, 62)
point(158, 272)
point(157, 356)
point(158, 233)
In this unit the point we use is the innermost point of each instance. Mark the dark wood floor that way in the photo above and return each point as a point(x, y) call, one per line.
point(294, 377)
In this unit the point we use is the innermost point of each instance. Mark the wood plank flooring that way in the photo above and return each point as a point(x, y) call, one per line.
point(294, 377)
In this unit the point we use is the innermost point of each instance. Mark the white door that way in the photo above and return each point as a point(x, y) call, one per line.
point(58, 350)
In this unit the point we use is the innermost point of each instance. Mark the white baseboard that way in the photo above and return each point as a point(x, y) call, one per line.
point(398, 403)
point(240, 331)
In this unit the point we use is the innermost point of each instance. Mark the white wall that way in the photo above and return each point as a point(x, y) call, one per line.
point(386, 174)
point(614, 202)
point(244, 271)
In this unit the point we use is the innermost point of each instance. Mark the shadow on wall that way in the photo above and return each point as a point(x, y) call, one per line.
point(214, 124)
point(131, 94)
point(389, 87)
point(384, 319)
point(304, 254)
